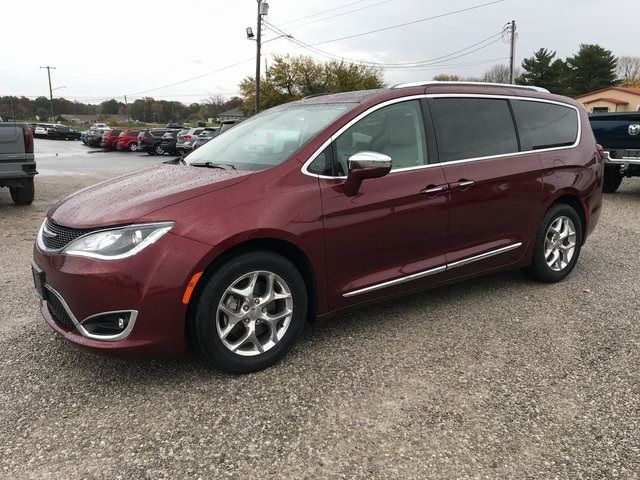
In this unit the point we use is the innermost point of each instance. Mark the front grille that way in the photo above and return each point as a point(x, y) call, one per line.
point(58, 312)
point(56, 237)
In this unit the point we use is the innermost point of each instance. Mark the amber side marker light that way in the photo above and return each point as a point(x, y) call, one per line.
point(189, 290)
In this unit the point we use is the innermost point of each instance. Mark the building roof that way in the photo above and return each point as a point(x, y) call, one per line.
point(234, 112)
point(615, 101)
point(631, 90)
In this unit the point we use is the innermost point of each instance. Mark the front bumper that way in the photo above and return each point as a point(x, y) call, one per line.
point(150, 285)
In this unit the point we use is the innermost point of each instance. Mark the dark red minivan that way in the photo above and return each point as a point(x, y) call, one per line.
point(318, 206)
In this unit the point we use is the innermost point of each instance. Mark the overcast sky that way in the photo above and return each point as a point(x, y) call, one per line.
point(108, 49)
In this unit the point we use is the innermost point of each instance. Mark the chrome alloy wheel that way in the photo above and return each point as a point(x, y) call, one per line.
point(560, 243)
point(254, 313)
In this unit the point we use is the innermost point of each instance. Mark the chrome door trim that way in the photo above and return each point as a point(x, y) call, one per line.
point(397, 281)
point(342, 129)
point(433, 271)
point(482, 256)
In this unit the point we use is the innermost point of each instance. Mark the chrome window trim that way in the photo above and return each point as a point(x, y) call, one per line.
point(433, 271)
point(305, 171)
point(133, 315)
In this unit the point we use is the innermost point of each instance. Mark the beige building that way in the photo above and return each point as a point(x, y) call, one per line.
point(611, 99)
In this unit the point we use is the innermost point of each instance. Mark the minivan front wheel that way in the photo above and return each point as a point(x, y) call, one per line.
point(250, 312)
point(557, 246)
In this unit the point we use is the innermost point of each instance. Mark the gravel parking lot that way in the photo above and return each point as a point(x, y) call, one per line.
point(493, 378)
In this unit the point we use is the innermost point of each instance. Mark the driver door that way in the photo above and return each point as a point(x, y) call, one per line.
point(391, 235)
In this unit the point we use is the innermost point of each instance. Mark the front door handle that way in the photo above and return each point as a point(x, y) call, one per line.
point(433, 190)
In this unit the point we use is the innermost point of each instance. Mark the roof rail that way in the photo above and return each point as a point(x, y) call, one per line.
point(473, 84)
point(314, 95)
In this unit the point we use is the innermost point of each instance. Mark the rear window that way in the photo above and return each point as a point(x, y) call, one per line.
point(545, 125)
point(472, 127)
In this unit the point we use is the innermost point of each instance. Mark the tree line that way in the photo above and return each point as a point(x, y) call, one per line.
point(145, 109)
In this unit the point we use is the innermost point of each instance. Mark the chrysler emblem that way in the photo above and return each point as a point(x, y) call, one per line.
point(634, 129)
point(48, 233)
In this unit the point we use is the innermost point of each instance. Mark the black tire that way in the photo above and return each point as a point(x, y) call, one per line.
point(23, 195)
point(133, 147)
point(612, 179)
point(204, 312)
point(539, 270)
point(158, 150)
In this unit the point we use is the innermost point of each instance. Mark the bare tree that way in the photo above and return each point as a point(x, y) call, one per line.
point(628, 71)
point(499, 74)
point(446, 77)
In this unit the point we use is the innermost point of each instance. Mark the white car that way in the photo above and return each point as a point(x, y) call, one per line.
point(99, 126)
point(42, 129)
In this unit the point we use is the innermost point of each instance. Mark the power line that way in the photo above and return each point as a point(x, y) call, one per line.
point(322, 12)
point(411, 23)
point(193, 78)
point(444, 58)
point(295, 27)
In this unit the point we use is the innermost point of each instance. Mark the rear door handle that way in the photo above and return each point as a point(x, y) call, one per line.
point(461, 184)
point(433, 190)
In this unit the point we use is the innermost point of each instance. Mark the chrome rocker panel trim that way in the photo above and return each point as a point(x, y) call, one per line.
point(433, 271)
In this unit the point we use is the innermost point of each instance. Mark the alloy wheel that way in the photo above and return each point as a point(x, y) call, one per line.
point(254, 313)
point(560, 243)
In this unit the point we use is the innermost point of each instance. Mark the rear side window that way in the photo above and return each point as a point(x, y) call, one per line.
point(545, 125)
point(472, 127)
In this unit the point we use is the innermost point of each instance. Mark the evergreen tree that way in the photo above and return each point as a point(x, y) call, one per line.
point(591, 68)
point(543, 69)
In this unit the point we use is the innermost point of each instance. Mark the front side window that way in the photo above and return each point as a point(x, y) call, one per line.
point(269, 138)
point(472, 127)
point(396, 130)
point(545, 125)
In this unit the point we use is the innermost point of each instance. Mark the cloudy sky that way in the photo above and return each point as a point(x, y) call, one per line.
point(191, 49)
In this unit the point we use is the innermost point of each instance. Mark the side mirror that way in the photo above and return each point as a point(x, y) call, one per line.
point(365, 165)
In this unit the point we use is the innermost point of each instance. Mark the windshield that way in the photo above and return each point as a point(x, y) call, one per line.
point(268, 138)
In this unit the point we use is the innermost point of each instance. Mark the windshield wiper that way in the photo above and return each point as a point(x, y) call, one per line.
point(223, 166)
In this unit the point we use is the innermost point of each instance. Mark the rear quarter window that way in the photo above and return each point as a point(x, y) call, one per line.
point(545, 125)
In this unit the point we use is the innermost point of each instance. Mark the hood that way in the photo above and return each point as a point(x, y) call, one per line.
point(124, 199)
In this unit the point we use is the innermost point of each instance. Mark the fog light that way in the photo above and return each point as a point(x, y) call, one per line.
point(107, 324)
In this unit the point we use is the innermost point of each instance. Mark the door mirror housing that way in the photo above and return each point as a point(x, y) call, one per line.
point(364, 165)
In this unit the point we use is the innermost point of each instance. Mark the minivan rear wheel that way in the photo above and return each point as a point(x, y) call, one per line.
point(612, 179)
point(249, 312)
point(557, 246)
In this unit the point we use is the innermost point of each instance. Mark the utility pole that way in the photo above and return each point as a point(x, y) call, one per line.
point(126, 108)
point(512, 53)
point(50, 90)
point(263, 9)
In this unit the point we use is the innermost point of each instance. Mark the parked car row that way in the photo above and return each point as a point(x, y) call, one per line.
point(54, 131)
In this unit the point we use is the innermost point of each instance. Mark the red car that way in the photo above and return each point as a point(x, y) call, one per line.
point(316, 207)
point(128, 140)
point(109, 138)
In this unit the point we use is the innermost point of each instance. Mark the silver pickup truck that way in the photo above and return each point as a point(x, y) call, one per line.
point(17, 161)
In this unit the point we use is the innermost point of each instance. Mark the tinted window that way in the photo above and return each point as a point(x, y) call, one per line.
point(545, 125)
point(396, 131)
point(472, 127)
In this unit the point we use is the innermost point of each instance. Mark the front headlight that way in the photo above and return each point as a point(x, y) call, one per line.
point(117, 243)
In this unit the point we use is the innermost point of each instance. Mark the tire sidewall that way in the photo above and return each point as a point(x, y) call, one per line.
point(208, 298)
point(542, 271)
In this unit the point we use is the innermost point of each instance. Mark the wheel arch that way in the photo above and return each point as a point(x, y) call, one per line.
point(285, 248)
point(574, 202)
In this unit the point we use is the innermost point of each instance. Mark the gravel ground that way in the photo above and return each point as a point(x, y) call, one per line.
point(494, 378)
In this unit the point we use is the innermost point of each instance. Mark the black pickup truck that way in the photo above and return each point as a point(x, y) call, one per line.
point(619, 134)
point(17, 161)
